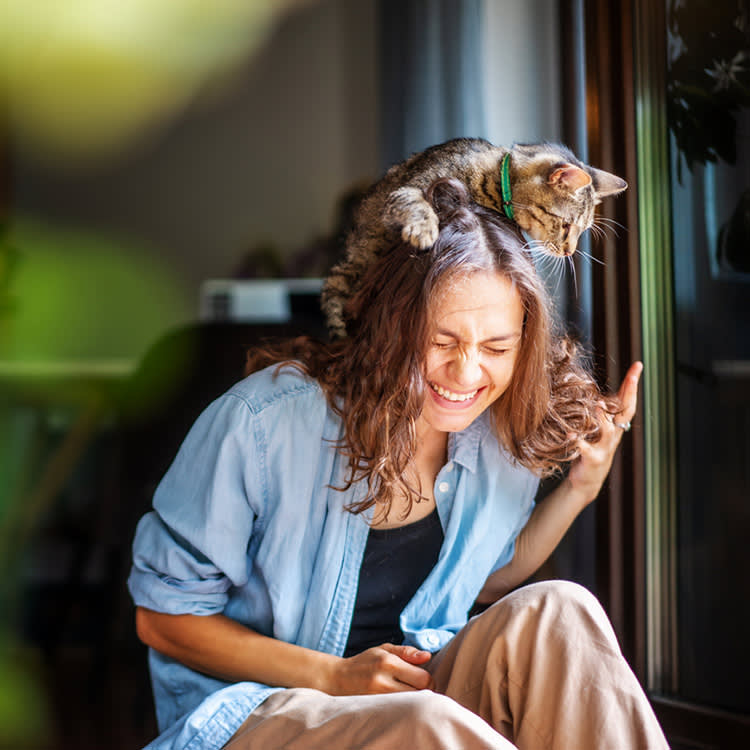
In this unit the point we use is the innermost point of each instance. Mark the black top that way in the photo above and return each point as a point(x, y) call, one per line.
point(395, 564)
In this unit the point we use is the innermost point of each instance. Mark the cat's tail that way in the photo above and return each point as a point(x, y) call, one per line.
point(336, 289)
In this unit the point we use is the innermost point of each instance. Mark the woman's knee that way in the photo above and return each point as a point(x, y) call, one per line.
point(560, 593)
point(572, 604)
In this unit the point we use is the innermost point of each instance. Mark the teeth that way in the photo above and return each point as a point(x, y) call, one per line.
point(450, 396)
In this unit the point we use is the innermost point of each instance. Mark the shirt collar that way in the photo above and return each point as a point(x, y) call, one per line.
point(463, 447)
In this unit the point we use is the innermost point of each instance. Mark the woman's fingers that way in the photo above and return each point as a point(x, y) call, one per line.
point(628, 394)
point(408, 653)
point(407, 669)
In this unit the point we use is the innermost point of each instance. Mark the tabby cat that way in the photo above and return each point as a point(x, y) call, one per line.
point(543, 187)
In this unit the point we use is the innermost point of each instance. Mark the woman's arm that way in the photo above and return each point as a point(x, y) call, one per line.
point(553, 516)
point(219, 646)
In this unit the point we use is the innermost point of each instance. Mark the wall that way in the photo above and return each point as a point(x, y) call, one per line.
point(522, 77)
point(266, 159)
point(263, 160)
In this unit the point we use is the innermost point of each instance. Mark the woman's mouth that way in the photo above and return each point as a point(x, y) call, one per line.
point(457, 399)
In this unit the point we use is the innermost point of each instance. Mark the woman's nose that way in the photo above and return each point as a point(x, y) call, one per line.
point(467, 370)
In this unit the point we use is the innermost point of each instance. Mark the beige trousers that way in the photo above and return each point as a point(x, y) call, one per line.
point(541, 668)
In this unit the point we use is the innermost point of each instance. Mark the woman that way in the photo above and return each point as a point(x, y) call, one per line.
point(305, 577)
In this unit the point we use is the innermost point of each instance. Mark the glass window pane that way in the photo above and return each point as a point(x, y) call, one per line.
point(709, 120)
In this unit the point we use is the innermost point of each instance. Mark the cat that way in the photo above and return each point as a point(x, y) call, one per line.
point(543, 187)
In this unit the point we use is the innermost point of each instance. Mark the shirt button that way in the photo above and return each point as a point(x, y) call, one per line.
point(449, 466)
point(432, 639)
point(444, 486)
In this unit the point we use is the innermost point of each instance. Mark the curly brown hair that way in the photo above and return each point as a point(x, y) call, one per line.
point(374, 378)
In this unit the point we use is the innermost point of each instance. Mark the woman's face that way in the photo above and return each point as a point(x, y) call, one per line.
point(476, 323)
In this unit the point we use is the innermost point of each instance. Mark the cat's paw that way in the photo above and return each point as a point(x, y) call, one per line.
point(408, 209)
point(422, 232)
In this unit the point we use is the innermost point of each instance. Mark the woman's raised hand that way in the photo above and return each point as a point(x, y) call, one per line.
point(588, 472)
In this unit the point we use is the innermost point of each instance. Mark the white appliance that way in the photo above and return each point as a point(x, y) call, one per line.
point(259, 300)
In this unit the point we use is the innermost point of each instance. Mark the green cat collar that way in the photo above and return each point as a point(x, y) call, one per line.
point(505, 186)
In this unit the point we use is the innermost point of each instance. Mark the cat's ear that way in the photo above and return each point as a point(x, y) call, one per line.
point(569, 177)
point(606, 184)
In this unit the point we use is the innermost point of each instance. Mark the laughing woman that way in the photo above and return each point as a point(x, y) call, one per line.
point(305, 577)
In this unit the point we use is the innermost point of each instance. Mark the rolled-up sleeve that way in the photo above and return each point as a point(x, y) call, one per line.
point(193, 547)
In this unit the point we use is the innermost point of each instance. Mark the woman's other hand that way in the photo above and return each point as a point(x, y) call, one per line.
point(382, 669)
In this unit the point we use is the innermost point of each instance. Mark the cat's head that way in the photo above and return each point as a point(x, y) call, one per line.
point(554, 194)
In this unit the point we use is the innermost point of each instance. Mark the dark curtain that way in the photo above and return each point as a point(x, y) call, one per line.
point(431, 74)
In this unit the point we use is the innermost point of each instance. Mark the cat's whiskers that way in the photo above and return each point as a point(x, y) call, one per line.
point(598, 232)
point(550, 264)
point(608, 220)
point(543, 260)
point(542, 250)
point(603, 223)
point(572, 266)
point(559, 266)
point(590, 257)
point(537, 249)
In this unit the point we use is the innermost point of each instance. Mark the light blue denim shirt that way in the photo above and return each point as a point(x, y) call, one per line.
point(247, 522)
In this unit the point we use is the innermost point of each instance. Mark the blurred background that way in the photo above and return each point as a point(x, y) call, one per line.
point(175, 179)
